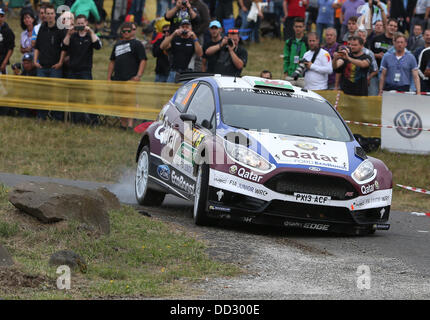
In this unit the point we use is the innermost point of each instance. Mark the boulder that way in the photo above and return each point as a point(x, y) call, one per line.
point(69, 258)
point(5, 258)
point(52, 202)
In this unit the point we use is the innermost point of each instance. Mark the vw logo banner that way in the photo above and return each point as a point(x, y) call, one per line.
point(411, 113)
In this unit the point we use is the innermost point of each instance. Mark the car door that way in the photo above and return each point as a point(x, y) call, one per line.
point(170, 131)
point(201, 105)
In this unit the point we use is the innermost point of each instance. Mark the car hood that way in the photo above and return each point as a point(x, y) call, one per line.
point(287, 150)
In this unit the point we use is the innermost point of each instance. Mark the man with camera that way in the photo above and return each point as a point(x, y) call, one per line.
point(295, 48)
point(182, 11)
point(353, 66)
point(317, 64)
point(80, 41)
point(232, 56)
point(182, 44)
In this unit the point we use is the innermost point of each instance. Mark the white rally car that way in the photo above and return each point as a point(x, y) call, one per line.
point(265, 152)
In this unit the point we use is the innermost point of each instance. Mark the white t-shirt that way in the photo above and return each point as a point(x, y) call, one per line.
point(421, 7)
point(317, 76)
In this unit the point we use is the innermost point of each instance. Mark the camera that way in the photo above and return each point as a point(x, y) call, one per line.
point(230, 43)
point(346, 48)
point(16, 66)
point(184, 3)
point(79, 28)
point(300, 70)
point(184, 32)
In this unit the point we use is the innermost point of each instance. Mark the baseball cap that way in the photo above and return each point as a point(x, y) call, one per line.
point(27, 56)
point(215, 23)
point(165, 23)
point(1, 11)
point(185, 21)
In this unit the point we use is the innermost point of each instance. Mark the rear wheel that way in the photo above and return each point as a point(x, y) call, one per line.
point(201, 195)
point(144, 195)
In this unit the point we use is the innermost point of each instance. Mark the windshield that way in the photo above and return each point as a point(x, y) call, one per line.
point(281, 112)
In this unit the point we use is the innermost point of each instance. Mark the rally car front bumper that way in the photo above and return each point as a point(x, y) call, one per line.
point(231, 197)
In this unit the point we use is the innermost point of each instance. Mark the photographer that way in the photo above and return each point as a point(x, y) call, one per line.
point(232, 57)
point(353, 65)
point(80, 41)
point(317, 63)
point(182, 43)
point(295, 47)
point(182, 11)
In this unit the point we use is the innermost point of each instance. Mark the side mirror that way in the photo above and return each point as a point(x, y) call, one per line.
point(188, 117)
point(206, 124)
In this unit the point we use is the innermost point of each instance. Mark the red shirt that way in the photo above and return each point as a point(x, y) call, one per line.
point(296, 8)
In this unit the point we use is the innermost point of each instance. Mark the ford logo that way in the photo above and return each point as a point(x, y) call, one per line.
point(164, 172)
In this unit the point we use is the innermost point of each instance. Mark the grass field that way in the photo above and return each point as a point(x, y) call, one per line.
point(141, 257)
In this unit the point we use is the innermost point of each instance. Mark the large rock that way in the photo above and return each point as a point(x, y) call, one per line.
point(51, 202)
point(5, 258)
point(69, 258)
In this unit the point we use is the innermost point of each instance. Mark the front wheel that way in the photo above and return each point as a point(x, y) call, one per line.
point(144, 195)
point(201, 195)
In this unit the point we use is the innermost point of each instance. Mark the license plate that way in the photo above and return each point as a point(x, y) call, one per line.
point(311, 198)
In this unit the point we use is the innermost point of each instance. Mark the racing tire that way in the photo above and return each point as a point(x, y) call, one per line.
point(144, 195)
point(200, 196)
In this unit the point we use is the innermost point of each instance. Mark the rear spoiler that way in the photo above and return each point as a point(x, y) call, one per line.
point(187, 76)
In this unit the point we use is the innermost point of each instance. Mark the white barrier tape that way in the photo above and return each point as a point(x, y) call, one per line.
point(382, 126)
point(421, 214)
point(411, 92)
point(419, 190)
point(337, 99)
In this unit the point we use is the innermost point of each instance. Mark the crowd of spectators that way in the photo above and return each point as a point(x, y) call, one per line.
point(369, 46)
point(359, 47)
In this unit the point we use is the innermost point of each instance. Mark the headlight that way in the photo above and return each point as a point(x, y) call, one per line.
point(364, 171)
point(246, 156)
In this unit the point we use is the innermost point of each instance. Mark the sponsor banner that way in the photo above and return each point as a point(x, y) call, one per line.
point(304, 151)
point(225, 181)
point(410, 111)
